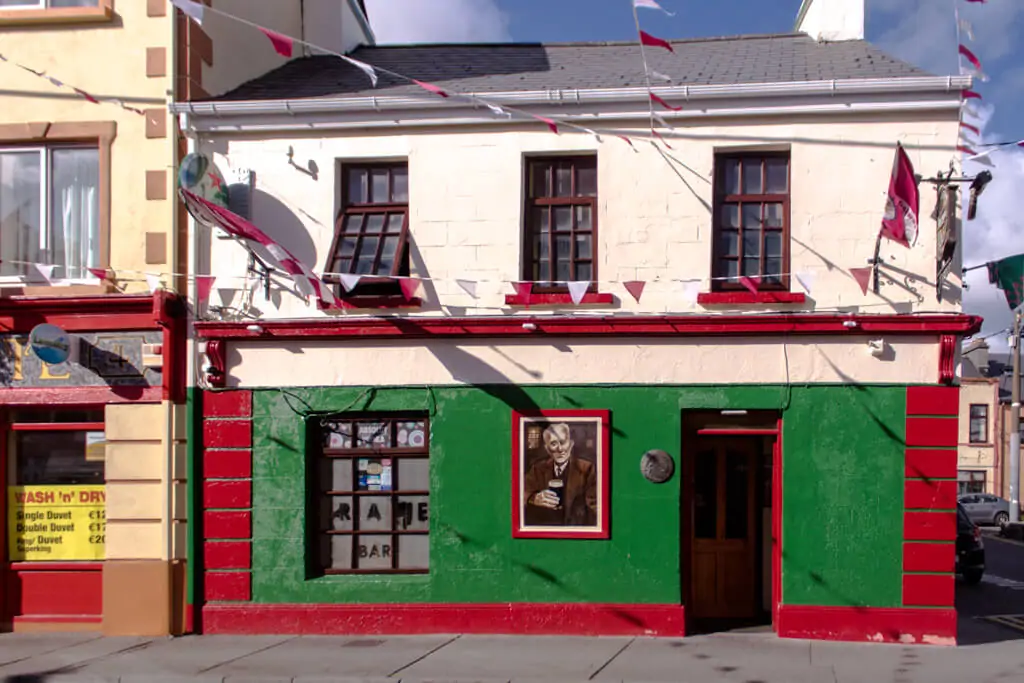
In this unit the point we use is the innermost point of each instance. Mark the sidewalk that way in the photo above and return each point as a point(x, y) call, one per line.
point(731, 658)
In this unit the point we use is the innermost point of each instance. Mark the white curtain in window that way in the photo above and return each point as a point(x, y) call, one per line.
point(21, 215)
point(75, 212)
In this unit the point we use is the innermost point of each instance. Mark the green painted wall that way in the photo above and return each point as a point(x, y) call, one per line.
point(843, 489)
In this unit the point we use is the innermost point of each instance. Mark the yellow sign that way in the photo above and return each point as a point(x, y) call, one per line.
point(56, 523)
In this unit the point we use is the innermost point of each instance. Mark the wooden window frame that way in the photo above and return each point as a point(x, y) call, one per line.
point(529, 229)
point(100, 134)
point(380, 286)
point(396, 492)
point(971, 421)
point(38, 13)
point(721, 198)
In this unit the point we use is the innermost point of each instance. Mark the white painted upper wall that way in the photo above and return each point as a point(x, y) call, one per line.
point(832, 20)
point(654, 213)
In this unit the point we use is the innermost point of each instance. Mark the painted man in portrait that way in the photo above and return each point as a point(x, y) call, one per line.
point(561, 489)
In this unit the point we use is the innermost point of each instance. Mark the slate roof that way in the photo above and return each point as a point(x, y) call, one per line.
point(509, 67)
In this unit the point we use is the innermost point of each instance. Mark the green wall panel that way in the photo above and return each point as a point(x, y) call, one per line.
point(838, 462)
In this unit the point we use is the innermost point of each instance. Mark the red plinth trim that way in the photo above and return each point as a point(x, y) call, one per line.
point(556, 299)
point(227, 525)
point(67, 396)
point(932, 494)
point(227, 555)
point(924, 463)
point(415, 619)
point(929, 557)
point(929, 590)
point(227, 464)
point(869, 624)
point(933, 401)
point(233, 495)
point(933, 432)
point(233, 586)
point(227, 404)
point(929, 526)
point(741, 298)
point(227, 433)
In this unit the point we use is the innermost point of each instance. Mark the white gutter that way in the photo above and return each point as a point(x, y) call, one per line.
point(869, 86)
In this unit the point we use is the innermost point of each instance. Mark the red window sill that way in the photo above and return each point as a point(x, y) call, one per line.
point(719, 298)
point(370, 302)
point(556, 299)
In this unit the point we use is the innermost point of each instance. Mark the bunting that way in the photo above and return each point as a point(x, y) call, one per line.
point(58, 83)
point(578, 290)
point(192, 9)
point(863, 277)
point(635, 288)
point(651, 4)
point(283, 45)
point(204, 284)
point(658, 100)
point(409, 286)
point(650, 41)
point(430, 87)
point(752, 284)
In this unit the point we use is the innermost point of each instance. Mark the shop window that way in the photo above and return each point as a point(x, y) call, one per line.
point(374, 485)
point(561, 215)
point(372, 233)
point(46, 4)
point(979, 423)
point(970, 482)
point(751, 221)
point(56, 500)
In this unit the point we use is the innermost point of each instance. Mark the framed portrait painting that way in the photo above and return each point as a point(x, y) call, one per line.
point(560, 474)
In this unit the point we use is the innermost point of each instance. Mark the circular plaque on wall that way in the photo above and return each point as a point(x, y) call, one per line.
point(657, 466)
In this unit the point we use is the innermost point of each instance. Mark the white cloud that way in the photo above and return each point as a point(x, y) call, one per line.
point(438, 21)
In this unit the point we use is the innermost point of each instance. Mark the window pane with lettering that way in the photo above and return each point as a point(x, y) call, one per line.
point(374, 486)
point(751, 220)
point(561, 221)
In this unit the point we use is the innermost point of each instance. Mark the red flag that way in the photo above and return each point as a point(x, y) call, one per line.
point(863, 277)
point(971, 57)
point(655, 98)
point(98, 273)
point(964, 149)
point(973, 129)
point(630, 142)
point(663, 140)
point(430, 87)
point(204, 283)
point(650, 41)
point(971, 95)
point(86, 95)
point(523, 289)
point(751, 283)
point(635, 288)
point(903, 205)
point(550, 124)
point(409, 286)
point(282, 44)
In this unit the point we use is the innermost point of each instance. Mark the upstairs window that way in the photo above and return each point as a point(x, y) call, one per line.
point(49, 211)
point(561, 222)
point(978, 423)
point(372, 232)
point(46, 4)
point(751, 220)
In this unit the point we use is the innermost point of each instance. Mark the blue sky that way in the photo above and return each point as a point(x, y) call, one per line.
point(919, 31)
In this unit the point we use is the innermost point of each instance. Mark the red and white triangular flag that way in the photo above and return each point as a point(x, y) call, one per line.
point(409, 287)
point(430, 87)
point(46, 270)
point(806, 279)
point(153, 281)
point(283, 45)
point(662, 138)
point(863, 277)
point(349, 282)
point(658, 100)
point(549, 123)
point(635, 288)
point(966, 28)
point(971, 95)
point(651, 41)
point(191, 8)
point(691, 291)
point(523, 289)
point(204, 284)
point(753, 284)
point(370, 72)
point(468, 286)
point(651, 4)
point(577, 290)
point(98, 273)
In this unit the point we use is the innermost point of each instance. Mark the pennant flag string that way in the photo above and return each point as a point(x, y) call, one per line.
point(57, 83)
point(651, 4)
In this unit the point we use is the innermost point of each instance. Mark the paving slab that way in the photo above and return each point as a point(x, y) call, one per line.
point(73, 658)
point(333, 656)
point(483, 657)
point(189, 656)
point(15, 647)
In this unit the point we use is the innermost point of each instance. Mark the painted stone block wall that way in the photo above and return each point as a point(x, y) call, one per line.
point(844, 478)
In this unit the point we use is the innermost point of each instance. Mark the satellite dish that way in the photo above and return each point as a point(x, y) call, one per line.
point(200, 176)
point(50, 344)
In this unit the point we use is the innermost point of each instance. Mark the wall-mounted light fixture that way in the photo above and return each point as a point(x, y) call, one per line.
point(529, 326)
point(876, 347)
point(255, 329)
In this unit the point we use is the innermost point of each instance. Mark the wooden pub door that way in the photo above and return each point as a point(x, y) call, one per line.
point(725, 523)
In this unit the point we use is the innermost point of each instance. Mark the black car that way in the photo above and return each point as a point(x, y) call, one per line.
point(970, 550)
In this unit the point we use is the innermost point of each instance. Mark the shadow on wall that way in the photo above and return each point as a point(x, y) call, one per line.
point(282, 225)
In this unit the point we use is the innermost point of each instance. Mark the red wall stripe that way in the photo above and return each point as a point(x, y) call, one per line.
point(929, 590)
point(55, 592)
point(869, 624)
point(227, 525)
point(227, 404)
point(919, 494)
point(933, 401)
point(227, 554)
point(227, 433)
point(929, 557)
point(930, 464)
point(234, 586)
point(932, 432)
point(929, 526)
point(232, 464)
point(227, 494)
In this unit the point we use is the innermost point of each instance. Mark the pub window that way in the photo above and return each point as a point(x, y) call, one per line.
point(374, 483)
point(561, 222)
point(970, 481)
point(751, 220)
point(979, 423)
point(371, 235)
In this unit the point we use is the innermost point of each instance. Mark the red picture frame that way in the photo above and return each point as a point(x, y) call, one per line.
point(571, 450)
